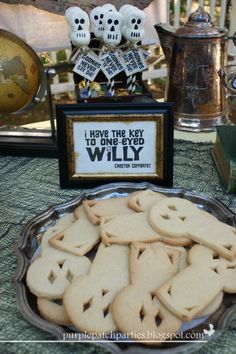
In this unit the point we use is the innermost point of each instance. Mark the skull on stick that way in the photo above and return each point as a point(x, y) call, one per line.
point(112, 24)
point(78, 23)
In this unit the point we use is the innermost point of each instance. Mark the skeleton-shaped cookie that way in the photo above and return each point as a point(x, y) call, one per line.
point(134, 25)
point(137, 312)
point(78, 23)
point(189, 292)
point(150, 266)
point(88, 304)
point(176, 217)
point(88, 299)
point(112, 32)
point(226, 269)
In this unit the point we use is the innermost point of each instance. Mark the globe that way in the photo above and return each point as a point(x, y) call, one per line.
point(22, 79)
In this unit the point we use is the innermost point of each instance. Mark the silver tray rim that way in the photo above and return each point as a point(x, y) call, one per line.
point(54, 212)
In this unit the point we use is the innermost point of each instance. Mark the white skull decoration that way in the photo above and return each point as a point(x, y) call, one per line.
point(134, 25)
point(112, 24)
point(123, 11)
point(78, 22)
point(96, 18)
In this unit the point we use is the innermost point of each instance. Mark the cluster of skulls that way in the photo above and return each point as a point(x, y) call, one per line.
point(107, 24)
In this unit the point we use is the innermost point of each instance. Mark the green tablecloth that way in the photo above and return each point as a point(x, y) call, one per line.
point(28, 186)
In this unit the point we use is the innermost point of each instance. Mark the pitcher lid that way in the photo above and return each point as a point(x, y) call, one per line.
point(199, 25)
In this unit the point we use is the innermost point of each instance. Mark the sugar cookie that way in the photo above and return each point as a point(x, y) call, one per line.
point(151, 265)
point(125, 229)
point(167, 216)
point(142, 317)
point(77, 239)
point(143, 200)
point(62, 224)
point(214, 234)
point(96, 209)
point(88, 299)
point(189, 292)
point(53, 311)
point(49, 276)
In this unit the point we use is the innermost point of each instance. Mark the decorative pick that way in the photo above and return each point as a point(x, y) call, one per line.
point(79, 34)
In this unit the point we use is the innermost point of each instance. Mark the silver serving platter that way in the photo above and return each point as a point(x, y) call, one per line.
point(31, 237)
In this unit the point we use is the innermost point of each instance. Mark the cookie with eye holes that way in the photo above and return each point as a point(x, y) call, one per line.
point(88, 299)
point(135, 309)
point(137, 313)
point(87, 302)
point(49, 276)
point(168, 216)
point(184, 241)
point(176, 217)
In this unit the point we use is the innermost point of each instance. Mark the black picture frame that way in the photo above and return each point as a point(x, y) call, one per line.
point(28, 145)
point(82, 165)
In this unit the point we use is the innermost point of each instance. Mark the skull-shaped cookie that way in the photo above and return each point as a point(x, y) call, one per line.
point(112, 24)
point(88, 304)
point(49, 276)
point(78, 23)
point(168, 216)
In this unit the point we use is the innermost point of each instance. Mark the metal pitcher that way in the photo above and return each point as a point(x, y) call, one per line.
point(195, 53)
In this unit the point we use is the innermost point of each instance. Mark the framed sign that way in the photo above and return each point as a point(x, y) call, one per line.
point(109, 142)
